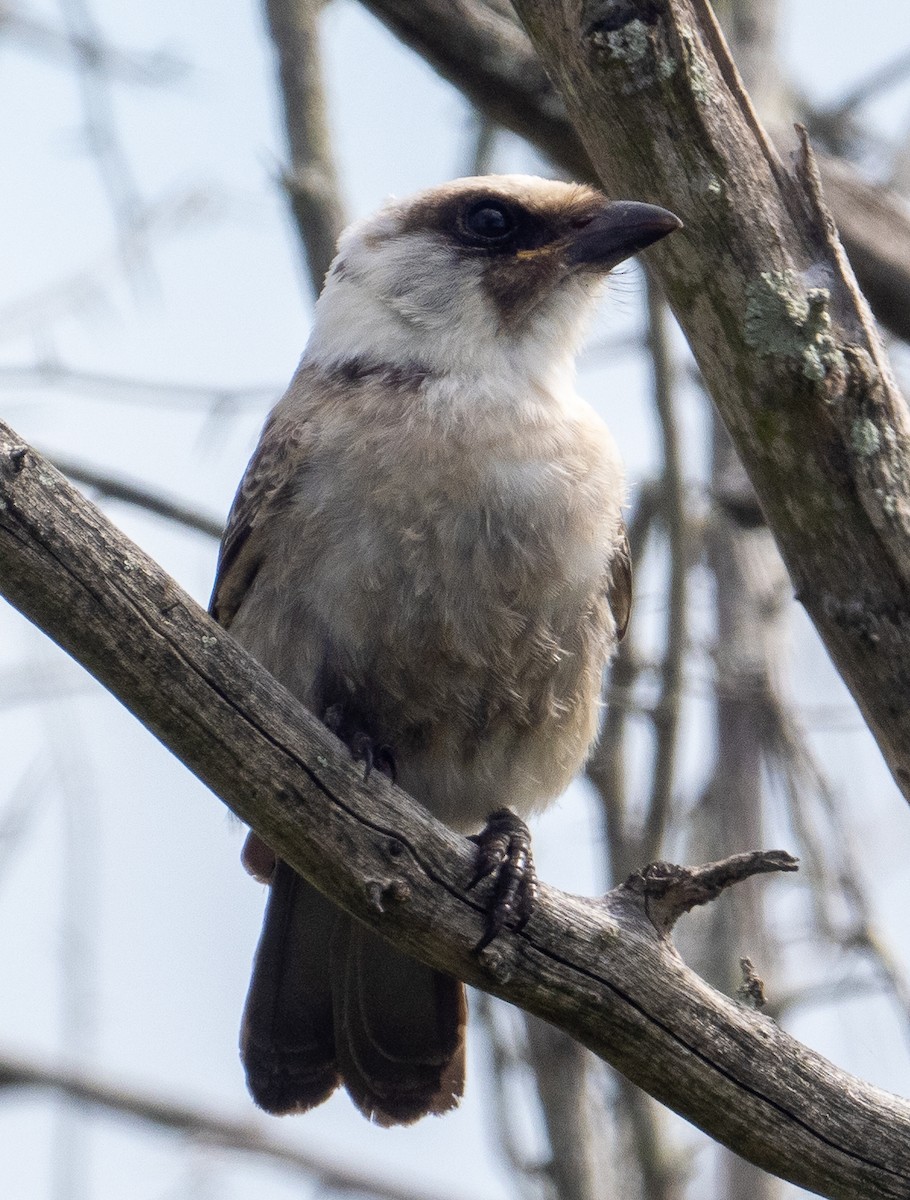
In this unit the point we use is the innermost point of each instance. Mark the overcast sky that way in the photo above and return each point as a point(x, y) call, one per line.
point(157, 910)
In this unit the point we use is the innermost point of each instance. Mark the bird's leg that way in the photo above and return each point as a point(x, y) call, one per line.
point(504, 849)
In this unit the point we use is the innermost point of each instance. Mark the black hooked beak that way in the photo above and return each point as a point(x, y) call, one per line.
point(619, 230)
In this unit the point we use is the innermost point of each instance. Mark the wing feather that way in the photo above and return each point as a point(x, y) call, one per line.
point(619, 587)
point(268, 486)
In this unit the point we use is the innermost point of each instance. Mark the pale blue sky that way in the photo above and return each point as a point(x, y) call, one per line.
point(172, 919)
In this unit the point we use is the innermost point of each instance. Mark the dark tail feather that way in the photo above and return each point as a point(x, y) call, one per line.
point(287, 1042)
point(399, 1029)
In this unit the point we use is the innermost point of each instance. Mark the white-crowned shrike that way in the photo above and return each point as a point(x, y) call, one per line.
point(428, 550)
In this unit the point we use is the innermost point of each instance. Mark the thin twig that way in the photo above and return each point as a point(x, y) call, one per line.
point(673, 518)
point(505, 1060)
point(606, 766)
point(85, 289)
point(114, 487)
point(124, 389)
point(157, 68)
point(663, 1169)
point(829, 855)
point(485, 135)
point(22, 806)
point(312, 178)
point(102, 137)
point(208, 1128)
point(886, 76)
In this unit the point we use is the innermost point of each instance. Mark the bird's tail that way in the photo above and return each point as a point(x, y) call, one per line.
point(331, 1002)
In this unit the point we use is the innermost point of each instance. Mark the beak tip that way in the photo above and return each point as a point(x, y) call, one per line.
point(654, 219)
point(623, 228)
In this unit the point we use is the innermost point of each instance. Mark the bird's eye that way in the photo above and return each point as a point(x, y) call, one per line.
point(489, 221)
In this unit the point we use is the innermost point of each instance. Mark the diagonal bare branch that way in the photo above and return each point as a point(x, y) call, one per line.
point(783, 338)
point(600, 971)
point(114, 487)
point(210, 1128)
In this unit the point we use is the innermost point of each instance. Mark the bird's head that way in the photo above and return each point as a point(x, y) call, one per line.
point(484, 270)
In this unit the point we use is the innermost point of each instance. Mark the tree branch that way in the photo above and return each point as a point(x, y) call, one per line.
point(116, 488)
point(203, 1125)
point(312, 180)
point(673, 515)
point(782, 336)
point(599, 970)
point(669, 891)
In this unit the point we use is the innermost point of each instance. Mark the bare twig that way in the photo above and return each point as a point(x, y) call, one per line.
point(670, 891)
point(841, 906)
point(127, 390)
point(562, 1073)
point(114, 487)
point(886, 76)
point(148, 69)
point(311, 180)
point(101, 135)
point(210, 1129)
point(662, 1169)
point(674, 519)
point(505, 1061)
point(21, 807)
point(606, 766)
point(483, 151)
point(85, 289)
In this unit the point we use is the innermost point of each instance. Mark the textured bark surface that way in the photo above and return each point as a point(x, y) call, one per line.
point(762, 289)
point(601, 970)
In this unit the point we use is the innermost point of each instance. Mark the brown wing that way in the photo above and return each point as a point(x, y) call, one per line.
point(267, 487)
point(619, 587)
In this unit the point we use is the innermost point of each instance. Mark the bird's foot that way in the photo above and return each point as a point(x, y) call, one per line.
point(504, 849)
point(363, 748)
point(380, 758)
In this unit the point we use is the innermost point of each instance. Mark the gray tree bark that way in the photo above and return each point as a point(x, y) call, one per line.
point(762, 289)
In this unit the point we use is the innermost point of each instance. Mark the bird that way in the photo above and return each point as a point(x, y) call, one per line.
point(427, 549)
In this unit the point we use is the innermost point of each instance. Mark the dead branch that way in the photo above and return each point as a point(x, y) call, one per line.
point(669, 891)
point(598, 970)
